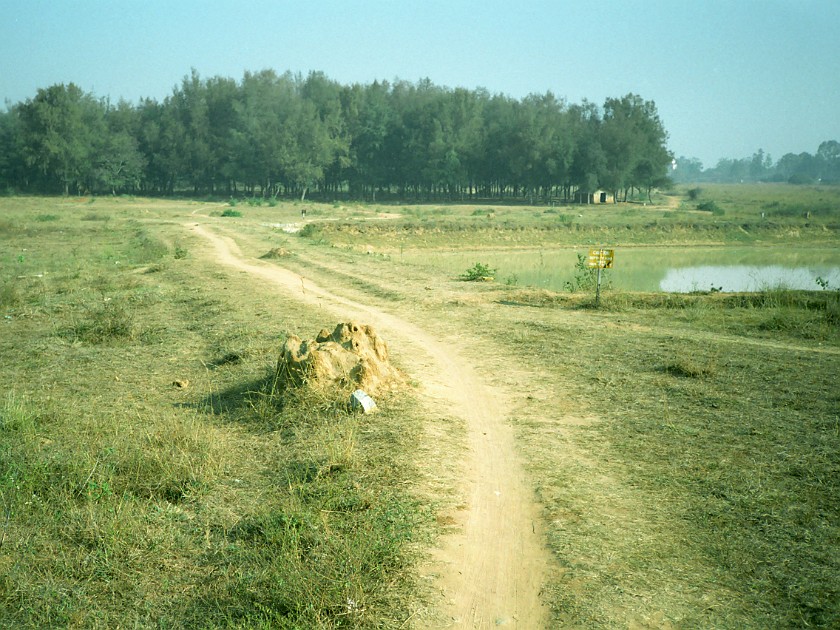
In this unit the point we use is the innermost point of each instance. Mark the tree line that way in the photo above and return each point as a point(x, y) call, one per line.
point(794, 168)
point(289, 135)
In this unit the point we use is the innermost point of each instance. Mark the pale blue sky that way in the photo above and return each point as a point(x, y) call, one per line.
point(728, 76)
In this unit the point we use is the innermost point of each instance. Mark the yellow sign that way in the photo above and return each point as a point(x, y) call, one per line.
point(600, 258)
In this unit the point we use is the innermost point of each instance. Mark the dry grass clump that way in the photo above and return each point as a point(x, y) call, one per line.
point(106, 323)
point(276, 253)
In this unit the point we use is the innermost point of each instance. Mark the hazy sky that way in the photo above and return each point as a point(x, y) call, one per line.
point(728, 76)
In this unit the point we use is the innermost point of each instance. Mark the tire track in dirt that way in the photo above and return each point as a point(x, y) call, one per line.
point(490, 571)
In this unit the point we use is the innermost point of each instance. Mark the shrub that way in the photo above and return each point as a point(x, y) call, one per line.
point(310, 230)
point(478, 272)
point(710, 206)
point(231, 213)
point(586, 278)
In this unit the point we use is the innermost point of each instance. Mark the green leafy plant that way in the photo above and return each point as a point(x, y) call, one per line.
point(478, 272)
point(231, 213)
point(586, 278)
point(824, 284)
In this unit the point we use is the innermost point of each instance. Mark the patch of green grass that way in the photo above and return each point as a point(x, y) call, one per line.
point(328, 549)
point(228, 212)
point(10, 294)
point(145, 248)
point(96, 216)
point(109, 323)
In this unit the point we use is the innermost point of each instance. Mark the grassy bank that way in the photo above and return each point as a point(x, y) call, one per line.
point(747, 214)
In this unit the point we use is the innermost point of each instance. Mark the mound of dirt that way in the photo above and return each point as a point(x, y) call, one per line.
point(277, 252)
point(352, 355)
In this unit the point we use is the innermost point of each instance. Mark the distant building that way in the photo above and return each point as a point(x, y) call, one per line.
point(599, 196)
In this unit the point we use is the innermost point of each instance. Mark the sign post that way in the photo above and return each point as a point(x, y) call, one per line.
point(600, 259)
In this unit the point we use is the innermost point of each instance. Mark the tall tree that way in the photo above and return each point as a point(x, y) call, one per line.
point(59, 129)
point(589, 161)
point(325, 96)
point(189, 129)
point(829, 155)
point(635, 144)
point(222, 98)
point(12, 166)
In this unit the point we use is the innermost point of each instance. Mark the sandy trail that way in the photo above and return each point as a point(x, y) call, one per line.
point(491, 569)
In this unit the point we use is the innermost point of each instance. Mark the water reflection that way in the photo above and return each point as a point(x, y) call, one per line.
point(737, 278)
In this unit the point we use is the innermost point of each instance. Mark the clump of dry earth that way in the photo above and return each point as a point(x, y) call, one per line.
point(353, 355)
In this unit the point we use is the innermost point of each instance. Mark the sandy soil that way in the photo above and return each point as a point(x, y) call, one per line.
point(490, 569)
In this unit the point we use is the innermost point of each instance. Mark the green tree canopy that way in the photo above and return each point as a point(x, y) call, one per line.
point(273, 134)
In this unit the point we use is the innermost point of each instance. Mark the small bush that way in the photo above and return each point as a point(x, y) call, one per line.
point(711, 206)
point(694, 193)
point(231, 213)
point(586, 278)
point(478, 272)
point(310, 230)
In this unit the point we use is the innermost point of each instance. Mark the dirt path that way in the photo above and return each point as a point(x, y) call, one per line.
point(491, 569)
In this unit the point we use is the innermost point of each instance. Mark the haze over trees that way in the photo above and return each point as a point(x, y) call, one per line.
point(286, 135)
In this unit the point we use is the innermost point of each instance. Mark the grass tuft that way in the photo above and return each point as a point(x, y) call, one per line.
point(688, 368)
point(109, 323)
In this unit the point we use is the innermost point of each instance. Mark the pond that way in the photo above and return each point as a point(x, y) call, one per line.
point(671, 269)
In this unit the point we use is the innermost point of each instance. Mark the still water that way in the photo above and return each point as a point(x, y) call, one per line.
point(671, 269)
